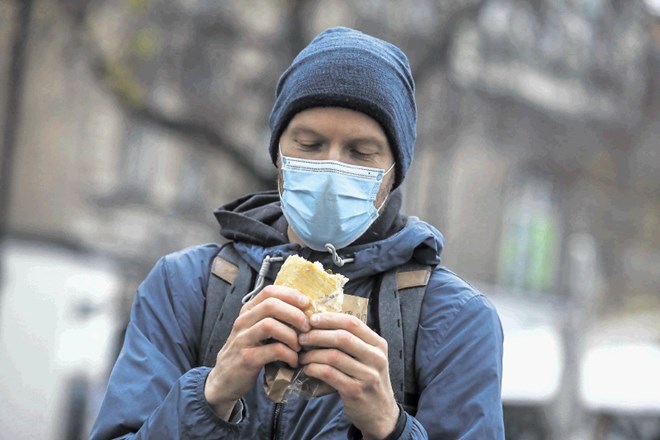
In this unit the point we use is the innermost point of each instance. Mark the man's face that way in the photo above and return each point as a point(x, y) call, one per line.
point(340, 134)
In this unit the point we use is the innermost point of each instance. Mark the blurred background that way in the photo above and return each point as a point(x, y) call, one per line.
point(124, 123)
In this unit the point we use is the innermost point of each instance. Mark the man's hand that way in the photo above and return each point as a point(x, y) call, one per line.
point(265, 331)
point(347, 355)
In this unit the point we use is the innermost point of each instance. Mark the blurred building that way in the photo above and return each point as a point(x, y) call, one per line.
point(127, 122)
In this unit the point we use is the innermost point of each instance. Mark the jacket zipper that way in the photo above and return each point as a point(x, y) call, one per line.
point(276, 421)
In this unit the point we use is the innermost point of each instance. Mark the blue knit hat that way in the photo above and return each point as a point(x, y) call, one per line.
point(343, 67)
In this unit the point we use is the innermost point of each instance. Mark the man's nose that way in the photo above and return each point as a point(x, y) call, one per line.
point(335, 152)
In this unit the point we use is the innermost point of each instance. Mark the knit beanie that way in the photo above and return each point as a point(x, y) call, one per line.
point(343, 67)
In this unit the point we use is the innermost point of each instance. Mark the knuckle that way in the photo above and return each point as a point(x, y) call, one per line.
point(282, 351)
point(334, 356)
point(278, 349)
point(268, 292)
point(267, 326)
point(384, 346)
point(269, 305)
point(353, 324)
point(239, 323)
point(324, 372)
point(284, 354)
point(371, 382)
point(345, 338)
point(248, 357)
point(355, 390)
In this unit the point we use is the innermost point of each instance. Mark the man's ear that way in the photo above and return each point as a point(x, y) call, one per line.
point(278, 160)
point(280, 180)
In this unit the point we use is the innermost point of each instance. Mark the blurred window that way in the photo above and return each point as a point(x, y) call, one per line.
point(530, 239)
point(191, 195)
point(140, 161)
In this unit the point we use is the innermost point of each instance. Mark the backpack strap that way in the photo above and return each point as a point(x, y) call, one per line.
point(229, 279)
point(399, 306)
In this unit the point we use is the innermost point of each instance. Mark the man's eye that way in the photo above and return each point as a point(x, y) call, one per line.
point(361, 154)
point(309, 146)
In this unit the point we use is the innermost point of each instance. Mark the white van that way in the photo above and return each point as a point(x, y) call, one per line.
point(59, 323)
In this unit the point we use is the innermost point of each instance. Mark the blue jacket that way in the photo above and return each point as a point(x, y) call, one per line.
point(156, 390)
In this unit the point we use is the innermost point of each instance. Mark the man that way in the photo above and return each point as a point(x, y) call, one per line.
point(343, 128)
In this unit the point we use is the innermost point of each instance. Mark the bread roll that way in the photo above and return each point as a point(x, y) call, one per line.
point(325, 290)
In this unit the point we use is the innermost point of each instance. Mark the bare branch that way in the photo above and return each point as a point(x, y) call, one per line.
point(117, 78)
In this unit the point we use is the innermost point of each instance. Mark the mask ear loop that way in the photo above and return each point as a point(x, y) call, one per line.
point(280, 181)
point(388, 194)
point(382, 204)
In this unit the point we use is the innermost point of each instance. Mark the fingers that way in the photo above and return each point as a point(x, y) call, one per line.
point(282, 303)
point(237, 368)
point(267, 330)
point(345, 332)
point(332, 365)
point(347, 322)
point(286, 294)
point(345, 344)
point(275, 315)
point(330, 357)
point(350, 357)
point(257, 357)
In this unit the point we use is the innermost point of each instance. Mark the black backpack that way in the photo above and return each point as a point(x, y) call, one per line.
point(401, 291)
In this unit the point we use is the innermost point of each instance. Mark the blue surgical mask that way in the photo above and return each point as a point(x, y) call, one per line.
point(329, 202)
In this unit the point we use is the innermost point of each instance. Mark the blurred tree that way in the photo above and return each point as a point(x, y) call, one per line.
point(12, 104)
point(560, 90)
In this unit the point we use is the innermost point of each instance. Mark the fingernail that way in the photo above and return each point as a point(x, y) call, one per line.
point(303, 338)
point(315, 319)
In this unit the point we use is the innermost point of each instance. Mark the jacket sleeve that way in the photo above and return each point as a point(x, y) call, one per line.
point(459, 362)
point(154, 392)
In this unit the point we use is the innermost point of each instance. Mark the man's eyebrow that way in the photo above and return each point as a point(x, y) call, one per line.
point(358, 140)
point(298, 130)
point(369, 140)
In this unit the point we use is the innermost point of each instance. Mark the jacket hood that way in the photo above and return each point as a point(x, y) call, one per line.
point(258, 227)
